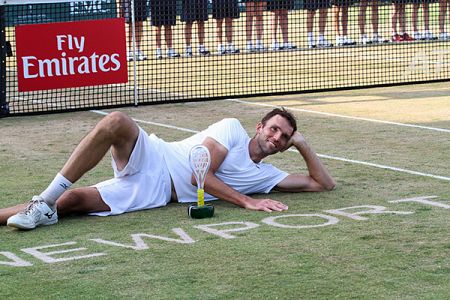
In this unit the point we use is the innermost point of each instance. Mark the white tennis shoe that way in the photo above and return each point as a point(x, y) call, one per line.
point(221, 49)
point(276, 46)
point(37, 213)
point(259, 46)
point(444, 36)
point(232, 49)
point(323, 43)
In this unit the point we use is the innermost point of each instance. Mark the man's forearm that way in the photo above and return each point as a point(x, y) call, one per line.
point(316, 169)
point(216, 187)
point(219, 189)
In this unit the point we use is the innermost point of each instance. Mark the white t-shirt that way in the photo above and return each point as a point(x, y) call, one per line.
point(237, 170)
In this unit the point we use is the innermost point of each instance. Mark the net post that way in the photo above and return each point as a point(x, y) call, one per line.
point(4, 108)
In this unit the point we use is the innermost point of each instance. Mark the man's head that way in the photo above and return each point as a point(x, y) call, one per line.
point(284, 113)
point(274, 131)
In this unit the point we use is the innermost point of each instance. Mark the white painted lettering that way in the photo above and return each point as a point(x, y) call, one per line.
point(330, 221)
point(423, 200)
point(69, 42)
point(224, 232)
point(102, 62)
point(115, 62)
point(49, 65)
point(94, 62)
point(27, 65)
point(139, 243)
point(64, 64)
point(374, 209)
point(72, 61)
point(83, 67)
point(47, 256)
point(15, 261)
point(79, 43)
point(60, 39)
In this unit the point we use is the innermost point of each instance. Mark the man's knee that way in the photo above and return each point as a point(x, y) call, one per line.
point(118, 125)
point(69, 203)
point(117, 120)
point(80, 201)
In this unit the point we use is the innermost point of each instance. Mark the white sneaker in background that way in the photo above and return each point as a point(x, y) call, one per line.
point(140, 55)
point(202, 51)
point(444, 36)
point(250, 47)
point(365, 40)
point(311, 42)
point(376, 39)
point(324, 43)
point(221, 49)
point(428, 35)
point(275, 46)
point(171, 53)
point(158, 53)
point(348, 41)
point(232, 49)
point(259, 46)
point(289, 46)
point(417, 36)
point(130, 55)
point(188, 51)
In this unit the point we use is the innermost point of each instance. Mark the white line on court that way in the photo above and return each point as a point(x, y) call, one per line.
point(343, 116)
point(382, 166)
point(291, 150)
point(150, 123)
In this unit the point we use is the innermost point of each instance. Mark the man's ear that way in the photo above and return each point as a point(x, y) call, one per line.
point(259, 126)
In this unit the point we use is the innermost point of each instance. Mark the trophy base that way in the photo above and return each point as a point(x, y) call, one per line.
point(201, 212)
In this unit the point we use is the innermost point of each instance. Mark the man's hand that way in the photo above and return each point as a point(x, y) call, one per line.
point(267, 205)
point(318, 179)
point(296, 140)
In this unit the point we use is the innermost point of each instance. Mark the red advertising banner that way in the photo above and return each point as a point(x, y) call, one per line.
point(71, 54)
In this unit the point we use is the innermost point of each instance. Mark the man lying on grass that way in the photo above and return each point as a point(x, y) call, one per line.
point(149, 172)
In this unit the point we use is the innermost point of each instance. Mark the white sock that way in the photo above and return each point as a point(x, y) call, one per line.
point(321, 37)
point(58, 186)
point(310, 35)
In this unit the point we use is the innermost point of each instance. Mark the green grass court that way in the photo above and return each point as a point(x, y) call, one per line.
point(381, 145)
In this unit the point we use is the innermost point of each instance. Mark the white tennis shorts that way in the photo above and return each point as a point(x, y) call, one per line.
point(144, 183)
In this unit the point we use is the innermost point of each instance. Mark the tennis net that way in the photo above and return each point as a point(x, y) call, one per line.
point(196, 50)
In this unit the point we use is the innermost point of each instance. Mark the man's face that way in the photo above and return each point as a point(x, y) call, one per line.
point(273, 136)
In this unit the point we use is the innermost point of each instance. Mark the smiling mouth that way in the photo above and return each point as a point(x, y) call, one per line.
point(273, 144)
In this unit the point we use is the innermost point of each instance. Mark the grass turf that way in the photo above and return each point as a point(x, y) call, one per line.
point(387, 256)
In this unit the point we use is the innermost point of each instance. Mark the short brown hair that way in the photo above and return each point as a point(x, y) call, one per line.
point(284, 113)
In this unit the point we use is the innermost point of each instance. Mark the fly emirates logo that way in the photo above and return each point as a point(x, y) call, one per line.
point(71, 54)
point(67, 64)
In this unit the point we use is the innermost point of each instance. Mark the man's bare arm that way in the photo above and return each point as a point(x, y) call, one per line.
point(219, 189)
point(318, 180)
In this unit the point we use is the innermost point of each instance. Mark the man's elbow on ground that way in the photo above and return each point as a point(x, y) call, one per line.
point(329, 186)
